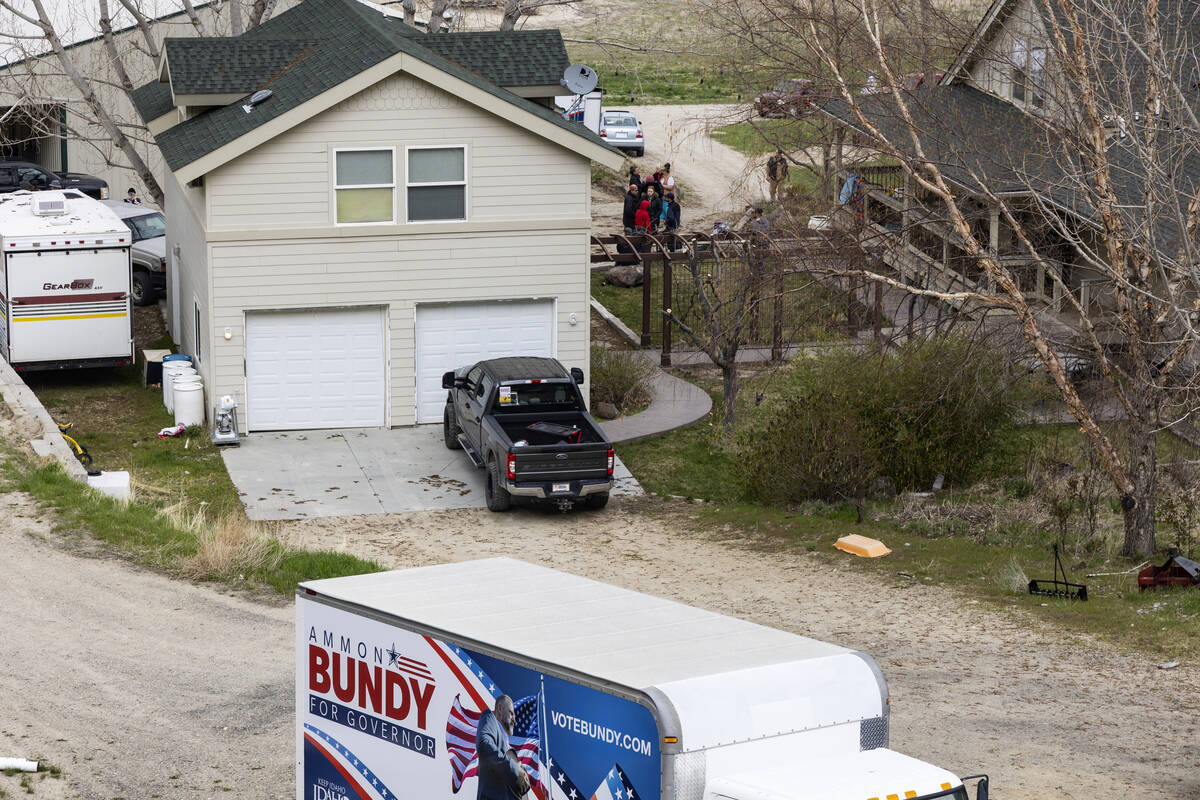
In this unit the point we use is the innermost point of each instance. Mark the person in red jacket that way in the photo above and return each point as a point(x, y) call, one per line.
point(641, 218)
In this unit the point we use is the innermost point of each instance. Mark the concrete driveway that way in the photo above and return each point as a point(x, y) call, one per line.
point(350, 471)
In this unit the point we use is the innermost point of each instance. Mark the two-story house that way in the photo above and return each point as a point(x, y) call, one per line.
point(355, 207)
point(999, 124)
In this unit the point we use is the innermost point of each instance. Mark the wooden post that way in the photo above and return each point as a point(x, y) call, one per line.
point(647, 301)
point(852, 295)
point(666, 304)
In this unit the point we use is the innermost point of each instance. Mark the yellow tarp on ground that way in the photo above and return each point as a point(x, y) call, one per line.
point(862, 546)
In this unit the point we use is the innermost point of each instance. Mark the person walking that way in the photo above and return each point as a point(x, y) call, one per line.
point(777, 173)
point(633, 202)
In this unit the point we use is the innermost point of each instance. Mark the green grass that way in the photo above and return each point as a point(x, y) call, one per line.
point(117, 419)
point(989, 561)
point(142, 534)
point(630, 78)
point(761, 136)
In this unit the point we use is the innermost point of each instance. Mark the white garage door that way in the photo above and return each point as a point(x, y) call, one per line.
point(452, 335)
point(316, 368)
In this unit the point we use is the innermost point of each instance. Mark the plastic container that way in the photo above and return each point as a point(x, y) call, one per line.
point(189, 403)
point(170, 370)
point(177, 381)
point(114, 484)
point(176, 357)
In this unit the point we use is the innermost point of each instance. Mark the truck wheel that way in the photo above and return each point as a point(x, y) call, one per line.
point(597, 501)
point(142, 289)
point(450, 430)
point(498, 498)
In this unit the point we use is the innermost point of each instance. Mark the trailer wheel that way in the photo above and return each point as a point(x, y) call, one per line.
point(450, 429)
point(498, 498)
point(142, 289)
point(597, 501)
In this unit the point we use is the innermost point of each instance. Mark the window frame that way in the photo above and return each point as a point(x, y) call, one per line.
point(465, 183)
point(1026, 74)
point(336, 187)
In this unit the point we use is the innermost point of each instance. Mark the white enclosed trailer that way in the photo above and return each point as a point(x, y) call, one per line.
point(618, 695)
point(64, 286)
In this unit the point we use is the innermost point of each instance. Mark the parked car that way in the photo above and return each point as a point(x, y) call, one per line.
point(149, 230)
point(790, 97)
point(623, 130)
point(15, 175)
point(524, 421)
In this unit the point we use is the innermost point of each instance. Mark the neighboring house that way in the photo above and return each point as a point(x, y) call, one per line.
point(980, 124)
point(400, 205)
point(43, 118)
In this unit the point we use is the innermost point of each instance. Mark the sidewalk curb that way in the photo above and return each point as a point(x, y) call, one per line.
point(35, 424)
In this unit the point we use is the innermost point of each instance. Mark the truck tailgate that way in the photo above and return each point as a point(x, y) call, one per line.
point(561, 462)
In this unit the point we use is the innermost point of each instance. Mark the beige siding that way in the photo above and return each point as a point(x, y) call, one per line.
point(397, 272)
point(190, 269)
point(287, 182)
point(992, 70)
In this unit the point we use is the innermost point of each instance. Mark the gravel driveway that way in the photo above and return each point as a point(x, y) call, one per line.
point(139, 686)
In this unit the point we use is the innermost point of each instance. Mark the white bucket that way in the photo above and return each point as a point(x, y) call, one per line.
point(169, 372)
point(177, 380)
point(189, 404)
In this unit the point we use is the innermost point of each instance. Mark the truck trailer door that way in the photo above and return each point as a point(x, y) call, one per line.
point(69, 305)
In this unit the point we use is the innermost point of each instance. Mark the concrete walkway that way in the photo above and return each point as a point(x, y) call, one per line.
point(674, 403)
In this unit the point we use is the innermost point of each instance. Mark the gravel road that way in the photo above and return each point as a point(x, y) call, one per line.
point(139, 686)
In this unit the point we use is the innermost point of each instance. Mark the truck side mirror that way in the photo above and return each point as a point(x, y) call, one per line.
point(448, 380)
point(577, 374)
point(981, 791)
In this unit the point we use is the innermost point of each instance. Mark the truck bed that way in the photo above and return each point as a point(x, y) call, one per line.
point(517, 428)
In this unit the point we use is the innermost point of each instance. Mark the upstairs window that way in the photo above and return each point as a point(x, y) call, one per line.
point(1028, 73)
point(437, 184)
point(365, 185)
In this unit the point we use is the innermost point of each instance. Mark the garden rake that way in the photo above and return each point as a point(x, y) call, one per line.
point(1058, 588)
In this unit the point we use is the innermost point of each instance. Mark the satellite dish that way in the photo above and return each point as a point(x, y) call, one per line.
point(579, 79)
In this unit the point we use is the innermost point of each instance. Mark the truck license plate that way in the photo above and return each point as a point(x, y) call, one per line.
point(561, 487)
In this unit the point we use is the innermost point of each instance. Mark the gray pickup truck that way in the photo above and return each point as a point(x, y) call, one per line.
point(524, 421)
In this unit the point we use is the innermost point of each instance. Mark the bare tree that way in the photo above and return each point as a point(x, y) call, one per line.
point(1085, 162)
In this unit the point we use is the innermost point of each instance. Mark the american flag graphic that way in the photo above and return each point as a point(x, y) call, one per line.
point(616, 786)
point(525, 740)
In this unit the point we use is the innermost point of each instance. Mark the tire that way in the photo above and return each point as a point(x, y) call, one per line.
point(641, 152)
point(142, 289)
point(498, 498)
point(450, 429)
point(84, 456)
point(597, 501)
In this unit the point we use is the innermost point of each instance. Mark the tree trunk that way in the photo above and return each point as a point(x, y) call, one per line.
point(730, 384)
point(436, 20)
point(512, 15)
point(1138, 505)
point(410, 12)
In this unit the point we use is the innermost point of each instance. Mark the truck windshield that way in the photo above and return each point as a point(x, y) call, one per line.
point(149, 226)
point(524, 397)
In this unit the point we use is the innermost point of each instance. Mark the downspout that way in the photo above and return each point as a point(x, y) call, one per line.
point(62, 139)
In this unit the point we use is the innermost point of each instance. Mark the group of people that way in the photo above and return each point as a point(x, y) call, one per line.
point(650, 204)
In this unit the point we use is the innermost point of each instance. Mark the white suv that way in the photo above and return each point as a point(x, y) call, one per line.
point(623, 130)
point(149, 231)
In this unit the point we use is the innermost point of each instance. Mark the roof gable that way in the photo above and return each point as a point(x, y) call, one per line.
point(332, 43)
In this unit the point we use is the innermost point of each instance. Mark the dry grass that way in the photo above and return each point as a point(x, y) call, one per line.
point(232, 547)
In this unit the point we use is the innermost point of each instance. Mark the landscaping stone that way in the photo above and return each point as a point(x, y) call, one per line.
point(606, 410)
point(624, 276)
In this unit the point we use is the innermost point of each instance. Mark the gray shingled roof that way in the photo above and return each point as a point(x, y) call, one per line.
point(229, 65)
point(152, 100)
point(352, 37)
point(506, 58)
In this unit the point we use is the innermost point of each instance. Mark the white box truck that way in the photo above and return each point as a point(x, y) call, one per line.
point(616, 695)
point(64, 285)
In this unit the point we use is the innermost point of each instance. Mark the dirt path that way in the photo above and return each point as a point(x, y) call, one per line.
point(719, 180)
point(138, 686)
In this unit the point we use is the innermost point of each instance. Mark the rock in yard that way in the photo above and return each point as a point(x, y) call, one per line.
point(625, 276)
point(606, 411)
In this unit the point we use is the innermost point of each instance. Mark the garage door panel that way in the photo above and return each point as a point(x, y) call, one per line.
point(452, 335)
point(316, 368)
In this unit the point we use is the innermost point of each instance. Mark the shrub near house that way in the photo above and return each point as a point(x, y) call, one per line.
point(936, 406)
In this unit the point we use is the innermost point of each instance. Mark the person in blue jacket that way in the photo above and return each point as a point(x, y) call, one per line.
point(500, 775)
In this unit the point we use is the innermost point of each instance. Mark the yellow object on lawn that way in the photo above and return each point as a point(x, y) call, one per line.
point(862, 546)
